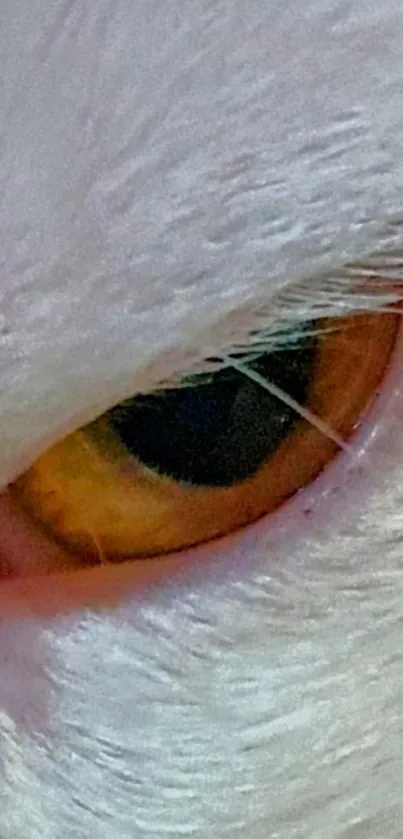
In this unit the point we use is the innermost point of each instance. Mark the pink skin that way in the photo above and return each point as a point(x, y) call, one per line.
point(163, 165)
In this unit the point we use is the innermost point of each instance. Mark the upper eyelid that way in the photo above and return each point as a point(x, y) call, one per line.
point(364, 286)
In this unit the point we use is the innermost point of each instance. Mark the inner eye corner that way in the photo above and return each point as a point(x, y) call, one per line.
point(181, 466)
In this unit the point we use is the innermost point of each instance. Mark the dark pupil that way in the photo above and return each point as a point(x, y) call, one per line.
point(220, 432)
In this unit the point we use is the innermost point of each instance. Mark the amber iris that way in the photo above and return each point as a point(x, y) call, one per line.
point(172, 470)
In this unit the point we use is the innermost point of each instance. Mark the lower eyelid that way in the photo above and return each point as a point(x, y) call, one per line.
point(25, 544)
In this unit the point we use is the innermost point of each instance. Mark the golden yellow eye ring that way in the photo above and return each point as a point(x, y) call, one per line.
point(100, 502)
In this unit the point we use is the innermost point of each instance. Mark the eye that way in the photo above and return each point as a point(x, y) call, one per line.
point(181, 466)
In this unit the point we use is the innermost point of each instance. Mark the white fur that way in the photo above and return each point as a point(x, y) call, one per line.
point(162, 165)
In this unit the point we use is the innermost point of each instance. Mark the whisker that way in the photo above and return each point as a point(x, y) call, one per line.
point(284, 397)
point(88, 533)
point(100, 554)
point(387, 310)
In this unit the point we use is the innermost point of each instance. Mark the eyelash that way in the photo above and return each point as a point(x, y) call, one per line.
point(272, 326)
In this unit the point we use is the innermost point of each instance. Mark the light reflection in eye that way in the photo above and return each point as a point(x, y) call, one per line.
point(177, 469)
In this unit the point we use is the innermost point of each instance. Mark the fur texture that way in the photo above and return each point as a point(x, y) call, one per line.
point(167, 169)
